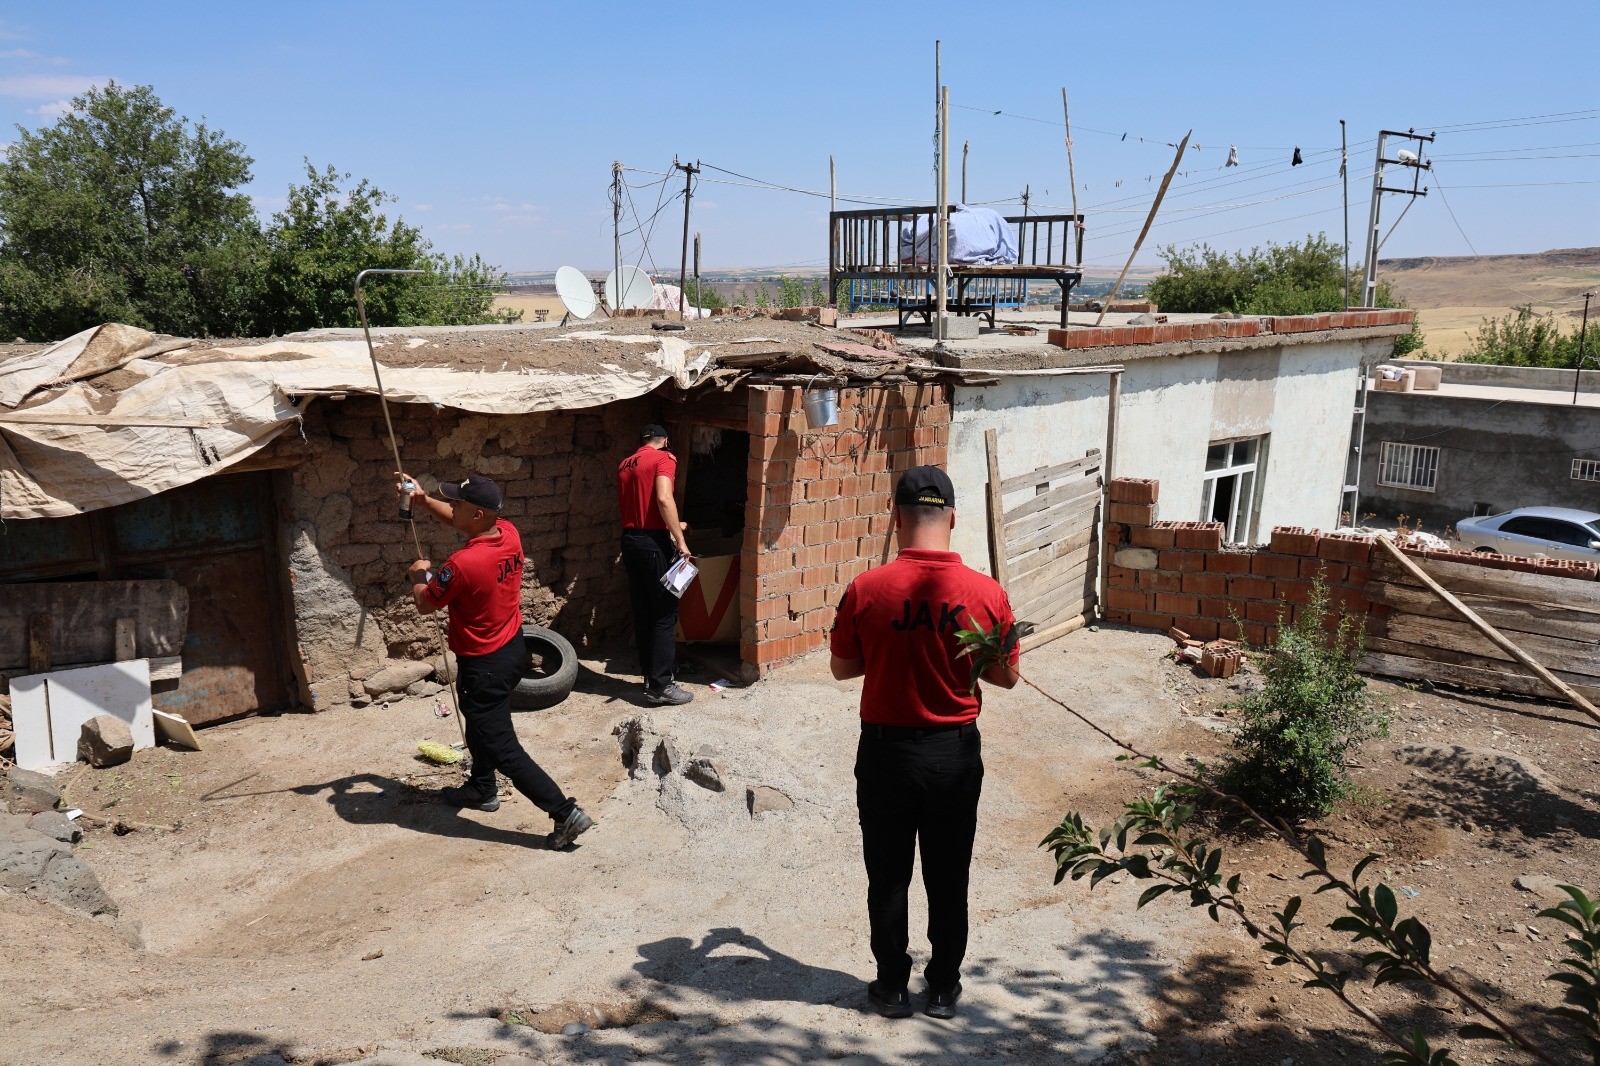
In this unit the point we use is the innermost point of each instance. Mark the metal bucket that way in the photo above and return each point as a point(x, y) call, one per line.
point(822, 407)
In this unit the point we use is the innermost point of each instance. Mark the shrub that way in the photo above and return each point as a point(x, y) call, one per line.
point(1296, 732)
point(1525, 338)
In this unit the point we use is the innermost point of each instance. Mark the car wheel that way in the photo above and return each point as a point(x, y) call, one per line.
point(551, 671)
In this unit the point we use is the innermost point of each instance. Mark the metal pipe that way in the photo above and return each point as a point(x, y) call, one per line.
point(1369, 284)
point(394, 446)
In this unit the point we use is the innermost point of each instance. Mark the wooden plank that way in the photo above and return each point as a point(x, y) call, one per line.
point(1044, 601)
point(125, 631)
point(166, 668)
point(1500, 584)
point(1572, 623)
point(1573, 656)
point(40, 628)
point(1070, 524)
point(175, 731)
point(1023, 565)
point(1460, 658)
point(1387, 664)
point(1049, 577)
point(1040, 637)
point(1087, 493)
point(85, 614)
point(997, 538)
point(1388, 547)
point(1048, 614)
point(1070, 491)
point(1047, 474)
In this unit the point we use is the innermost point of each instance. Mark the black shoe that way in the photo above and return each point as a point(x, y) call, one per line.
point(674, 695)
point(575, 823)
point(889, 1004)
point(943, 1004)
point(467, 796)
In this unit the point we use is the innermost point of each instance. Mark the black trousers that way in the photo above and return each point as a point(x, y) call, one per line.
point(646, 555)
point(484, 684)
point(916, 788)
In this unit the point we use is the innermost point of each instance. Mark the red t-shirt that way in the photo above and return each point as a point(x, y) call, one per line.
point(482, 585)
point(636, 486)
point(902, 619)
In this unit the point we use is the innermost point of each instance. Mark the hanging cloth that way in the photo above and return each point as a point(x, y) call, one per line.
point(1233, 157)
point(1296, 161)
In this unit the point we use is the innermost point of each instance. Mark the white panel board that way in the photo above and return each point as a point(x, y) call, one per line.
point(30, 717)
point(121, 690)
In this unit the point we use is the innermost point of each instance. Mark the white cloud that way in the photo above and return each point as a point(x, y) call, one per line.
point(46, 86)
point(19, 53)
point(11, 32)
point(445, 227)
point(422, 207)
point(55, 109)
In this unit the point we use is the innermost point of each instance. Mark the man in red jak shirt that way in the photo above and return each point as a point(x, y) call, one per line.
point(919, 765)
point(652, 540)
point(481, 585)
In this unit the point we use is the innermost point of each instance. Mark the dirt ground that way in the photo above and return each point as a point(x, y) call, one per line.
point(313, 906)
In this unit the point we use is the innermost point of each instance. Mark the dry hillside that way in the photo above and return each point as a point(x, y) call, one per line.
point(1455, 293)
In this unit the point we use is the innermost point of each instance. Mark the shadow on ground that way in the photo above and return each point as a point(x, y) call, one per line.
point(373, 799)
point(1496, 791)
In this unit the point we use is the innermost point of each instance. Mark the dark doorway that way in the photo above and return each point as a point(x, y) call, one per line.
point(214, 537)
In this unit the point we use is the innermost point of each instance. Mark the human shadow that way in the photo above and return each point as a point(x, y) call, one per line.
point(227, 1047)
point(392, 802)
point(733, 965)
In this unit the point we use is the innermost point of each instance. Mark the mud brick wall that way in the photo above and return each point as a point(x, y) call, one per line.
point(1165, 574)
point(348, 550)
point(820, 503)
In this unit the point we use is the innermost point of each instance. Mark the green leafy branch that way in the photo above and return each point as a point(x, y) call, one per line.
point(1185, 863)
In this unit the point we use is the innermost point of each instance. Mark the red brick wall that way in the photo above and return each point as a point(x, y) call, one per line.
point(1170, 332)
point(1209, 591)
point(819, 510)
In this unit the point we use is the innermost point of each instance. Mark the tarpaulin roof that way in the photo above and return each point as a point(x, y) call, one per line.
point(161, 413)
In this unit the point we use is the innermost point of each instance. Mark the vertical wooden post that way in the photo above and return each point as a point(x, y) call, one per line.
point(1107, 472)
point(1150, 218)
point(125, 639)
point(40, 631)
point(997, 516)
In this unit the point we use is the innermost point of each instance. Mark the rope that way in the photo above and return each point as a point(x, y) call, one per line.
point(394, 445)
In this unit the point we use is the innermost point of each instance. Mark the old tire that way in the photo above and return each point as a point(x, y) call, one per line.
point(551, 672)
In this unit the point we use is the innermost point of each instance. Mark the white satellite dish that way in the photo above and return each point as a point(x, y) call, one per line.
point(635, 288)
point(577, 294)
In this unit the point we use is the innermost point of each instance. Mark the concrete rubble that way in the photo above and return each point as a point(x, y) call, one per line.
point(36, 850)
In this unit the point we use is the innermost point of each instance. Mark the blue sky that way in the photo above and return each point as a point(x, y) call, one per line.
point(496, 125)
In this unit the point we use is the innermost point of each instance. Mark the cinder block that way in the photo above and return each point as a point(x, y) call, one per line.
point(1134, 490)
point(1345, 548)
point(1159, 581)
point(1295, 540)
point(1200, 628)
point(1176, 604)
point(1133, 514)
point(1147, 620)
point(1266, 564)
point(1250, 588)
point(1332, 573)
point(1204, 584)
point(1183, 561)
point(1128, 599)
point(1228, 562)
point(1143, 536)
point(1205, 536)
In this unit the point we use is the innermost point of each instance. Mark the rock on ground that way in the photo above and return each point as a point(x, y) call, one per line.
point(396, 677)
point(28, 791)
point(37, 866)
point(105, 741)
point(56, 826)
point(763, 798)
point(1543, 886)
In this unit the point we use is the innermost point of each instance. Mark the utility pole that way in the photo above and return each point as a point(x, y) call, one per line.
point(689, 171)
point(1583, 333)
point(1344, 176)
point(697, 270)
point(616, 227)
point(1072, 176)
point(943, 272)
point(1369, 288)
point(966, 146)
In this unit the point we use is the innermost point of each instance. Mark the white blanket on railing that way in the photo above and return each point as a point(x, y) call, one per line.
point(979, 236)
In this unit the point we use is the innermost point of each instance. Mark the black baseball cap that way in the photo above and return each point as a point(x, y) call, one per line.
point(925, 486)
point(479, 491)
point(652, 431)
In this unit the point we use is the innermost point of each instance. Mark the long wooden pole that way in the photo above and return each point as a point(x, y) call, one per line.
point(1567, 692)
point(997, 534)
point(1072, 175)
point(1107, 472)
point(944, 211)
point(1151, 217)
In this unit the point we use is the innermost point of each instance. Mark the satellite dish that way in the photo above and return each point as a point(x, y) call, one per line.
point(577, 294)
point(629, 287)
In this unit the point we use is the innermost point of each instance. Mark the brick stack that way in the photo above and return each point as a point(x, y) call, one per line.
point(819, 505)
point(1162, 575)
point(1226, 329)
point(1166, 574)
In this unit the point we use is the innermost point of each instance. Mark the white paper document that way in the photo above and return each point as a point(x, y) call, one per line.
point(679, 576)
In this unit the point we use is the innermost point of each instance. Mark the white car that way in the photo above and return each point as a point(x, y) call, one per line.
point(1553, 532)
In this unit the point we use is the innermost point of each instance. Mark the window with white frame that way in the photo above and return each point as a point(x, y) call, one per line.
point(1586, 469)
point(1408, 466)
point(1228, 487)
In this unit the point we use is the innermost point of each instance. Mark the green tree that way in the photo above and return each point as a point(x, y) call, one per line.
point(1526, 338)
point(331, 230)
point(123, 211)
point(1280, 279)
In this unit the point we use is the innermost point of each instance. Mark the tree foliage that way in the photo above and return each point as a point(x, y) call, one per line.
point(122, 211)
point(1524, 337)
point(1280, 279)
